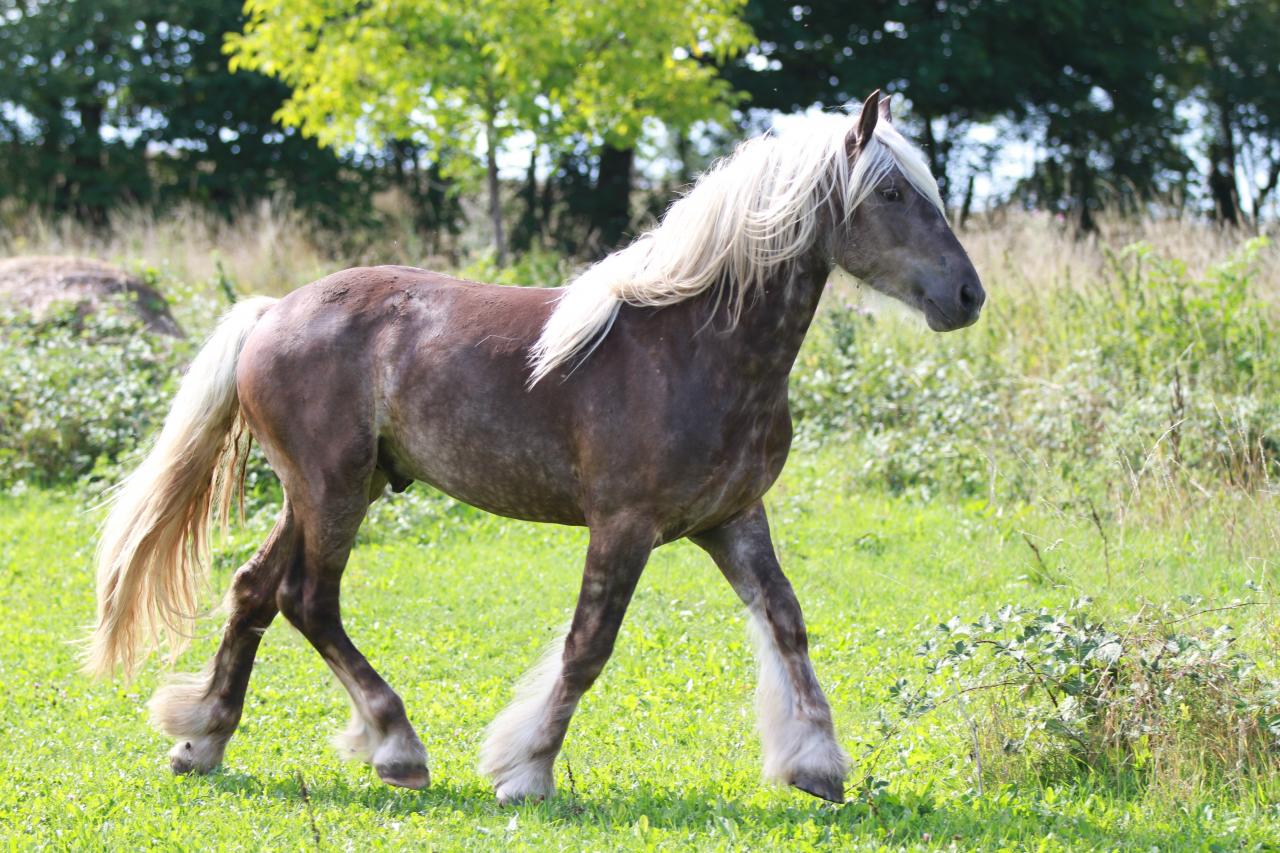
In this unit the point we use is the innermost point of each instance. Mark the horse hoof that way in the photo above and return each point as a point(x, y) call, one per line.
point(830, 789)
point(189, 757)
point(508, 797)
point(415, 776)
point(524, 788)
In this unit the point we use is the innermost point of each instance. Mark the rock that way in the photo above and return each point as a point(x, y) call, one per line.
point(38, 284)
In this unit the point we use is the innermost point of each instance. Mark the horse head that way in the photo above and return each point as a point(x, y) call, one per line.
point(896, 239)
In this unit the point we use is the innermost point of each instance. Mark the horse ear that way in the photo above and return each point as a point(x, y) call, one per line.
point(883, 109)
point(866, 122)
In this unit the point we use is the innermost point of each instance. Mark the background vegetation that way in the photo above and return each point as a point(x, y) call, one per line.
point(1146, 106)
point(1038, 560)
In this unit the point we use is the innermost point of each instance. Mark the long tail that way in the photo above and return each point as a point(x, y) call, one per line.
point(154, 544)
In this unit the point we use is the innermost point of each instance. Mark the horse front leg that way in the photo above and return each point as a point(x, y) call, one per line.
point(521, 744)
point(799, 741)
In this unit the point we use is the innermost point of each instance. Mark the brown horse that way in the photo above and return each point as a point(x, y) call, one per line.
point(647, 401)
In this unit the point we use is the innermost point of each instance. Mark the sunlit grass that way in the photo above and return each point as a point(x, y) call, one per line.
point(662, 752)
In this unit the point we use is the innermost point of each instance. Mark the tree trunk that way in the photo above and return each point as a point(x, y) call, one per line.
point(682, 151)
point(1082, 179)
point(936, 150)
point(1222, 170)
point(88, 166)
point(495, 188)
point(967, 206)
point(1264, 193)
point(613, 196)
point(529, 228)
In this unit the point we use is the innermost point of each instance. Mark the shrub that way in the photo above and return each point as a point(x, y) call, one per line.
point(76, 395)
point(1144, 700)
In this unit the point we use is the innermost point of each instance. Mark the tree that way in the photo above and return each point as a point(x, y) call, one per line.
point(1230, 48)
point(104, 102)
point(1106, 116)
point(956, 63)
point(1093, 87)
point(467, 75)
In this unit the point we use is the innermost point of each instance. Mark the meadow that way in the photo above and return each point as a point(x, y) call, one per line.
point(1037, 559)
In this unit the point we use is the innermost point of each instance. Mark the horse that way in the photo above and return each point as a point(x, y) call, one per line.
point(645, 400)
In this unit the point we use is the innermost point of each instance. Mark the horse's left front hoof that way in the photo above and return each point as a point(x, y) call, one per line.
point(510, 796)
point(826, 788)
point(404, 775)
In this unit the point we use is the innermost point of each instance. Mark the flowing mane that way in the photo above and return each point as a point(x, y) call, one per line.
point(749, 214)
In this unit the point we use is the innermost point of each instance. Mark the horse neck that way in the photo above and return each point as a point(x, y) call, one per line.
point(764, 344)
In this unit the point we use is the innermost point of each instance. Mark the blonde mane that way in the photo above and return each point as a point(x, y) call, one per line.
point(748, 215)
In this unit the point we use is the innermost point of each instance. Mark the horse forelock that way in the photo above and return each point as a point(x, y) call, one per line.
point(748, 215)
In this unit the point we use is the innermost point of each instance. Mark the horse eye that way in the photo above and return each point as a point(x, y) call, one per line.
point(890, 194)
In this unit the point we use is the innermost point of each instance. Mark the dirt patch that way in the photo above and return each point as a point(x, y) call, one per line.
point(38, 284)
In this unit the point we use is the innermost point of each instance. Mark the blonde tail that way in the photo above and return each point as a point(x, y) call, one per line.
point(155, 542)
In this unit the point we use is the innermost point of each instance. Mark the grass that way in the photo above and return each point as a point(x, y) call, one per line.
point(662, 753)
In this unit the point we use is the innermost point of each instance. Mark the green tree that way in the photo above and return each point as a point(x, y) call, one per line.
point(104, 102)
point(1231, 50)
point(1093, 87)
point(957, 63)
point(1105, 109)
point(464, 76)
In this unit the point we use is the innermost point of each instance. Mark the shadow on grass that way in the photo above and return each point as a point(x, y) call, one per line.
point(886, 820)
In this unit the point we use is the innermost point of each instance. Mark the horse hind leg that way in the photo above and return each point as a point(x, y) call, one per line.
point(203, 710)
point(380, 732)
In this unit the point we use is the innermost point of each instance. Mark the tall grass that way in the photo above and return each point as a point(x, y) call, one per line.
point(270, 248)
point(1145, 371)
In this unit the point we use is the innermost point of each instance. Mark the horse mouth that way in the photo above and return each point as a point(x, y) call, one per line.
point(940, 320)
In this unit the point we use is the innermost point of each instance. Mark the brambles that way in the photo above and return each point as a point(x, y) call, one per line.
point(76, 393)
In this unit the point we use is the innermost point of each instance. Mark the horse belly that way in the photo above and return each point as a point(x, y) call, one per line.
point(498, 464)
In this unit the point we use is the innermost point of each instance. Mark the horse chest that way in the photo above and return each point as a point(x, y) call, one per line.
point(744, 462)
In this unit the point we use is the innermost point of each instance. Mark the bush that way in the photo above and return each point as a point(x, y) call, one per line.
point(1145, 701)
point(79, 394)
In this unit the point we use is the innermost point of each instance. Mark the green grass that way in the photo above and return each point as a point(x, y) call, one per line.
point(662, 753)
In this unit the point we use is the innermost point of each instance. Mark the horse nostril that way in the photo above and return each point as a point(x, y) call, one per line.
point(971, 296)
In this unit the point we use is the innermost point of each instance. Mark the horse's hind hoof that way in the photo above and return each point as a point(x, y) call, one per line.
point(829, 789)
point(532, 786)
point(403, 775)
point(197, 755)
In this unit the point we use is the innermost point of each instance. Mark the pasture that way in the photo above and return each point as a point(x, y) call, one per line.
point(663, 754)
point(1107, 478)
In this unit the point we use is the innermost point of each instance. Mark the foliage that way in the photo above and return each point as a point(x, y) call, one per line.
point(451, 608)
point(1103, 94)
point(456, 74)
point(1150, 372)
point(75, 395)
point(105, 103)
point(532, 269)
point(1144, 699)
point(1230, 50)
point(1069, 386)
point(443, 70)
